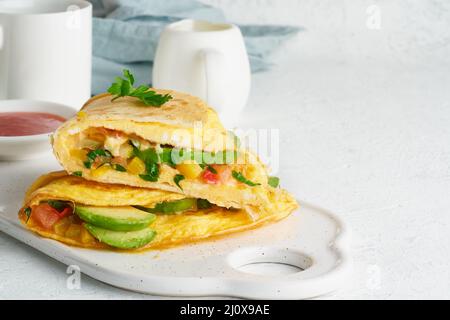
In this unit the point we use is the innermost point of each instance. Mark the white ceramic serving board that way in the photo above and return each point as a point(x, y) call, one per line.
point(245, 265)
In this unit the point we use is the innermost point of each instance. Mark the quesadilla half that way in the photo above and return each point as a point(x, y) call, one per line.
point(180, 147)
point(89, 214)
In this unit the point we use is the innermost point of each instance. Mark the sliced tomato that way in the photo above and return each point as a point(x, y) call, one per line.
point(210, 177)
point(45, 215)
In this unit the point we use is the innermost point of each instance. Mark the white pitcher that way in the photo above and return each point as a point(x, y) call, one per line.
point(207, 60)
point(45, 50)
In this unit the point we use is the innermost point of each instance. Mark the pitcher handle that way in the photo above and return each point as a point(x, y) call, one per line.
point(214, 64)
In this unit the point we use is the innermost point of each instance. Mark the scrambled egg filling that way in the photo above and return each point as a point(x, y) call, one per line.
point(101, 149)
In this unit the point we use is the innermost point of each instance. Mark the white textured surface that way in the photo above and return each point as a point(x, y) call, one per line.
point(311, 239)
point(364, 117)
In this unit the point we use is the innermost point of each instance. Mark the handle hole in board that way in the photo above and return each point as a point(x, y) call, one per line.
point(269, 268)
point(269, 261)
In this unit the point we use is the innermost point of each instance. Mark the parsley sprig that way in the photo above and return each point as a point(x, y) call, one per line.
point(124, 87)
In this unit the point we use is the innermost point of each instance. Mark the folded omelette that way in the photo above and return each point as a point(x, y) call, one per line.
point(90, 214)
point(180, 146)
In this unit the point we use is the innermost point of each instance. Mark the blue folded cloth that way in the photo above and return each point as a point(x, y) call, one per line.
point(126, 32)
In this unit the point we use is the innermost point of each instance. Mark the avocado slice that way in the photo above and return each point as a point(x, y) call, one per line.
point(115, 218)
point(121, 240)
point(171, 207)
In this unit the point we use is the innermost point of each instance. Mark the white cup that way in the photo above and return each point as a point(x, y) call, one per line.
point(45, 50)
point(206, 60)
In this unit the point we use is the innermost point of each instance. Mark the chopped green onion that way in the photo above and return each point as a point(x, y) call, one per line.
point(203, 204)
point(57, 204)
point(93, 154)
point(27, 213)
point(165, 156)
point(118, 167)
point(210, 168)
point(97, 153)
point(177, 179)
point(87, 164)
point(240, 177)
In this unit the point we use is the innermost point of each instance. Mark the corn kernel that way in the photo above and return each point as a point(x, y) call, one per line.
point(189, 170)
point(136, 166)
point(79, 154)
point(81, 114)
point(100, 171)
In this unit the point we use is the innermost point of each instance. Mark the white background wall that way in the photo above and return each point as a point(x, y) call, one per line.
point(364, 118)
point(412, 31)
point(365, 130)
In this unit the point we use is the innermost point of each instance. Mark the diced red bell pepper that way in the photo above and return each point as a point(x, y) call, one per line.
point(210, 177)
point(222, 174)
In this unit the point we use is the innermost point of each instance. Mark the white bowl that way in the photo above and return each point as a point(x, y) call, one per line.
point(34, 146)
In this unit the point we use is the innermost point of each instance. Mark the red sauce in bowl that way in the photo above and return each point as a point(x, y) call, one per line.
point(28, 123)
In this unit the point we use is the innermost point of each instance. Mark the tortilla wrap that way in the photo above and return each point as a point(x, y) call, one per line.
point(176, 124)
